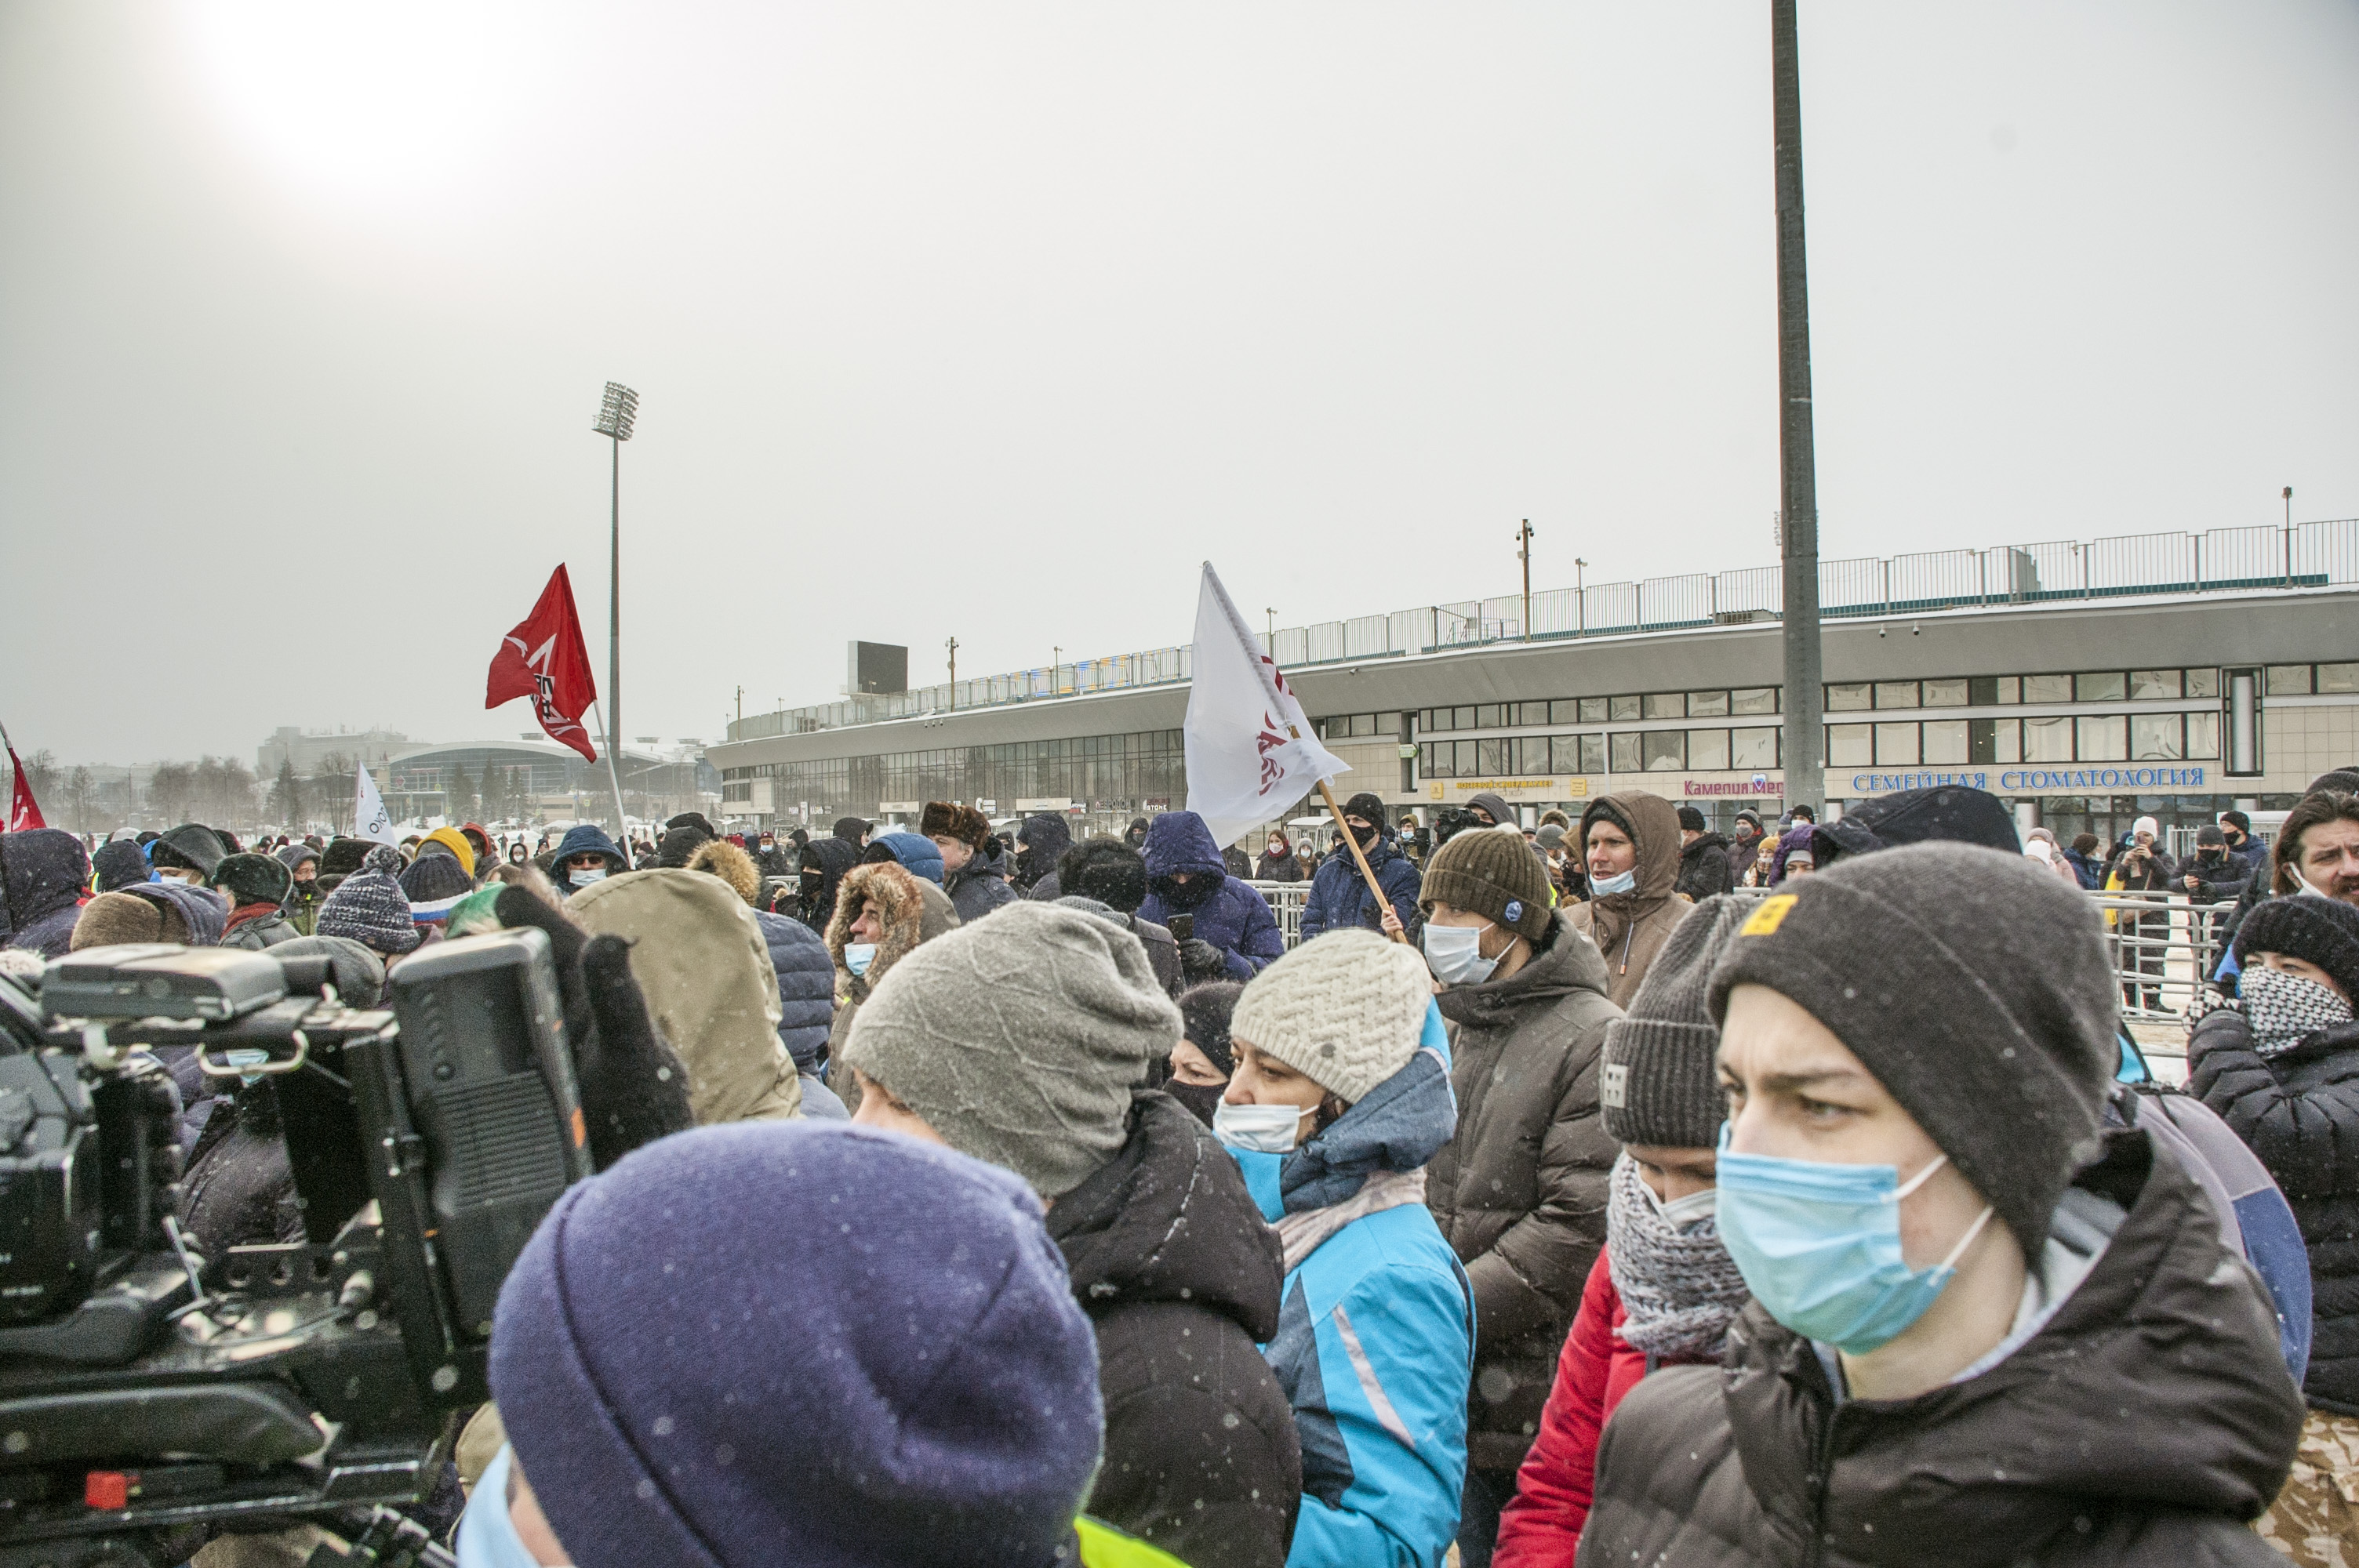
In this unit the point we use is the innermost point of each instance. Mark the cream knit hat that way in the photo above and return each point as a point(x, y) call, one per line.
point(1345, 1009)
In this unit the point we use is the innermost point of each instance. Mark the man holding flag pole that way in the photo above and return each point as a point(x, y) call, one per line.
point(1248, 757)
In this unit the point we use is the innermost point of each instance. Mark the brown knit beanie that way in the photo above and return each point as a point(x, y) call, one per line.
point(113, 917)
point(1655, 1083)
point(1496, 875)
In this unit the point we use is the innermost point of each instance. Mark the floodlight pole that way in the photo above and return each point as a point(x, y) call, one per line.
point(616, 412)
point(1805, 740)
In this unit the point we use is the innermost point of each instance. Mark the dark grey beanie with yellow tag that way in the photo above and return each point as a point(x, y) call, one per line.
point(1975, 985)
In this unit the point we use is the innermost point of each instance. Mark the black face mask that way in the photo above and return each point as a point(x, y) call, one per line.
point(1367, 836)
point(1194, 894)
point(1202, 1100)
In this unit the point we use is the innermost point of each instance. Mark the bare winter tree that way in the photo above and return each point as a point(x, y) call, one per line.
point(287, 797)
point(331, 790)
point(80, 792)
point(172, 791)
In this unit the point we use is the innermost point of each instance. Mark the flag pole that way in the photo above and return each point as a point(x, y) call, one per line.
point(1352, 841)
point(622, 817)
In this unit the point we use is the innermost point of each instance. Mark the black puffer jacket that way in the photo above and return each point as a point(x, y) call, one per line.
point(2144, 1424)
point(1519, 1192)
point(2300, 1112)
point(1703, 868)
point(239, 1190)
point(1180, 1275)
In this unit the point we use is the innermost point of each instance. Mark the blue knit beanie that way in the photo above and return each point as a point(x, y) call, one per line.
point(798, 1342)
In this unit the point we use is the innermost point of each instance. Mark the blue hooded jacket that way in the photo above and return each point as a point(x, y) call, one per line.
point(1375, 1331)
point(1232, 917)
point(806, 1005)
point(44, 874)
point(1339, 899)
point(585, 838)
point(915, 855)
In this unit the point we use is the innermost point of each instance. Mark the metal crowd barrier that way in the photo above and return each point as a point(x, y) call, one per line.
point(1286, 901)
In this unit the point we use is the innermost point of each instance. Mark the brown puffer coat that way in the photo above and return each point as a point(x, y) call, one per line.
point(909, 910)
point(1629, 927)
point(1520, 1191)
point(2141, 1424)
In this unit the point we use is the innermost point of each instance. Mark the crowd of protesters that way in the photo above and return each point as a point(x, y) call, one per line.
point(1610, 1190)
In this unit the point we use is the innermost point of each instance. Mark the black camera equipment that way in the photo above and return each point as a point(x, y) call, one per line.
point(150, 1398)
point(1452, 820)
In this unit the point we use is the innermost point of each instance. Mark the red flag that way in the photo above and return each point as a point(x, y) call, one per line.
point(543, 659)
point(24, 812)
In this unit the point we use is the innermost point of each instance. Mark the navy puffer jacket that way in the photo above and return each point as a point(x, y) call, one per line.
point(44, 872)
point(1228, 914)
point(1339, 899)
point(806, 1005)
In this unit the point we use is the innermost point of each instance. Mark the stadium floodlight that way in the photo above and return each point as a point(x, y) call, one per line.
point(615, 412)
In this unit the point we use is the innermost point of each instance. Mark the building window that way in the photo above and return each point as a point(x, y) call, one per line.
point(1491, 759)
point(2202, 737)
point(2155, 737)
point(1462, 719)
point(1593, 753)
point(1752, 748)
point(2105, 687)
point(1620, 709)
point(1437, 761)
point(1896, 745)
point(2105, 737)
point(1564, 753)
point(1466, 764)
point(1565, 712)
point(2338, 678)
point(1850, 745)
point(1945, 742)
point(1667, 750)
point(1849, 698)
point(2204, 682)
point(1945, 694)
point(2047, 688)
point(1707, 704)
point(1988, 691)
point(2148, 686)
point(1490, 715)
point(1593, 710)
point(1531, 755)
point(2047, 739)
point(1708, 751)
point(2289, 680)
point(1629, 754)
point(1895, 694)
point(1666, 705)
point(1753, 700)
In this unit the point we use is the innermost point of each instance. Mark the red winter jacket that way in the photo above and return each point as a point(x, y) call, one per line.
point(1541, 1524)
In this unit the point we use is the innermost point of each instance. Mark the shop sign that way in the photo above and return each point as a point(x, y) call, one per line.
point(2038, 781)
point(1760, 787)
point(1517, 792)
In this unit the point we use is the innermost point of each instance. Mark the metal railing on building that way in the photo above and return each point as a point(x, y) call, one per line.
point(2222, 560)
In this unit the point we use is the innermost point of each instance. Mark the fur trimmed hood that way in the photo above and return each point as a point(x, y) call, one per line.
point(910, 909)
point(732, 865)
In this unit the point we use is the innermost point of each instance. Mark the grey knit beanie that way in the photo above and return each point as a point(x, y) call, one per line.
point(1497, 875)
point(1019, 1039)
point(1346, 1011)
point(1973, 985)
point(1657, 1083)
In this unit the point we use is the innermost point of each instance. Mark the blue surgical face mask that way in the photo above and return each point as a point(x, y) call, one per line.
point(858, 955)
point(487, 1535)
point(1620, 882)
point(584, 879)
point(1454, 953)
point(1819, 1245)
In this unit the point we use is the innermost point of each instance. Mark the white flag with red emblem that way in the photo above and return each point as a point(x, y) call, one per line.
point(1251, 752)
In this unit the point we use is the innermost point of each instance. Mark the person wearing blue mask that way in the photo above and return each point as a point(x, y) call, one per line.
point(1630, 848)
point(882, 913)
point(1984, 1327)
point(1341, 1095)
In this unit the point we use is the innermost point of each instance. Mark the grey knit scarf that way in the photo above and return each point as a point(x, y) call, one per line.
point(1679, 1288)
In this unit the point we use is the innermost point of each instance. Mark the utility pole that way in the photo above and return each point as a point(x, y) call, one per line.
point(1580, 596)
point(1805, 738)
point(1524, 554)
point(953, 648)
point(741, 707)
point(1273, 633)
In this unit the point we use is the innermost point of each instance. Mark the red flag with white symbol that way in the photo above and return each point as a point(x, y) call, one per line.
point(24, 811)
point(543, 659)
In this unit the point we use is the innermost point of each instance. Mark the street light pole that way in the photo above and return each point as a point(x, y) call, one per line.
point(1580, 596)
point(1805, 741)
point(1524, 554)
point(617, 410)
point(953, 648)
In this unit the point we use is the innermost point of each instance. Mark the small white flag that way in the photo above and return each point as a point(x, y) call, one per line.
point(1251, 752)
point(369, 818)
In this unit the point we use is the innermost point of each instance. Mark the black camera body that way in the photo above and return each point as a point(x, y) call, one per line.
point(150, 1396)
point(1450, 821)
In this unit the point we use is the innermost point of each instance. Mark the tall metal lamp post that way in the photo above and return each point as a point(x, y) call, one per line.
point(616, 412)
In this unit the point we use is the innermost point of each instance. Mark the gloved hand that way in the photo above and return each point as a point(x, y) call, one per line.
point(634, 1088)
point(1199, 960)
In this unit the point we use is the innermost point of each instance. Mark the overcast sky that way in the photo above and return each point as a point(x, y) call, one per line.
point(994, 320)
